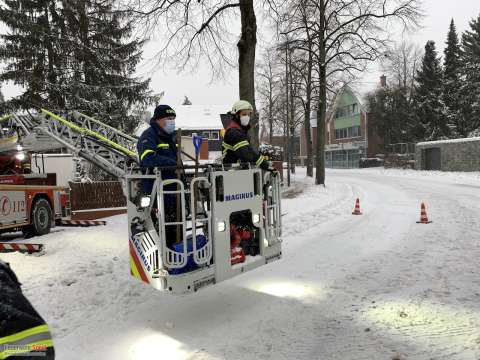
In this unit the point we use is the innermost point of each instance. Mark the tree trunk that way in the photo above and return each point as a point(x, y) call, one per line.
point(292, 116)
point(308, 93)
point(246, 61)
point(55, 99)
point(270, 109)
point(285, 136)
point(308, 110)
point(85, 42)
point(322, 102)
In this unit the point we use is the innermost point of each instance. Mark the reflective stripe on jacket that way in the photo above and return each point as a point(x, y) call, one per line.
point(34, 340)
point(156, 148)
point(236, 148)
point(22, 330)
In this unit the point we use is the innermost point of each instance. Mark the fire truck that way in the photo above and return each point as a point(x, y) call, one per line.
point(30, 203)
point(228, 218)
point(32, 209)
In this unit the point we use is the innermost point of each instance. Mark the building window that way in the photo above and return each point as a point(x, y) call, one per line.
point(354, 131)
point(206, 135)
point(348, 110)
point(348, 133)
point(214, 135)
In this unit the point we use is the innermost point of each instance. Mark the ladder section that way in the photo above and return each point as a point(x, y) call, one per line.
point(87, 122)
point(16, 123)
point(113, 158)
point(22, 124)
point(8, 135)
point(23, 130)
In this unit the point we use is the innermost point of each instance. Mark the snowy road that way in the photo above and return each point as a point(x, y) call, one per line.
point(377, 286)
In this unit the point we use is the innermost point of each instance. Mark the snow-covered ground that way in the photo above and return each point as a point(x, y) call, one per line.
point(377, 286)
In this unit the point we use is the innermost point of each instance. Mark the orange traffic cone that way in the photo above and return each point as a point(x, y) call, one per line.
point(357, 208)
point(423, 216)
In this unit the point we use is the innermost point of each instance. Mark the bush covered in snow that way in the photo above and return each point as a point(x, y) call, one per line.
point(475, 133)
point(274, 153)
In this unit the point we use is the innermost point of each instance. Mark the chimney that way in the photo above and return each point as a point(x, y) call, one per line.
point(383, 81)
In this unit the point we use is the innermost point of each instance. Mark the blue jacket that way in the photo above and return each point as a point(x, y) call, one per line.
point(156, 148)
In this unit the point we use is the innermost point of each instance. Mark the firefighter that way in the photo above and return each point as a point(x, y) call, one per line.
point(237, 149)
point(157, 148)
point(26, 166)
point(23, 333)
point(236, 144)
point(157, 145)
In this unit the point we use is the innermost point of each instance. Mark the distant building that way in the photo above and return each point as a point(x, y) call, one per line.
point(281, 141)
point(203, 120)
point(349, 132)
point(449, 155)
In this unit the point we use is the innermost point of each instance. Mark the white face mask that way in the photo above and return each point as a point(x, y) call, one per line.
point(169, 126)
point(245, 120)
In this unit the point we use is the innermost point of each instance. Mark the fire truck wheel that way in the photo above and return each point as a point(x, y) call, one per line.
point(41, 217)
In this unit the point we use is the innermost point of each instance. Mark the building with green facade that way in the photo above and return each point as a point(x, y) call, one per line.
point(349, 133)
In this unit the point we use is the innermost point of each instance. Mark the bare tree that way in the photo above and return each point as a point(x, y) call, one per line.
point(401, 63)
point(268, 87)
point(306, 74)
point(346, 34)
point(293, 88)
point(201, 30)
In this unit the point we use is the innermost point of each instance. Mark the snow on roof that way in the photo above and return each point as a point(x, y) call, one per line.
point(194, 117)
point(200, 117)
point(450, 141)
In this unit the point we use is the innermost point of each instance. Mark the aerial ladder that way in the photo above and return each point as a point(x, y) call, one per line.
point(229, 220)
point(24, 130)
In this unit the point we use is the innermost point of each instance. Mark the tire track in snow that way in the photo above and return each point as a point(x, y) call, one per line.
point(425, 271)
point(317, 212)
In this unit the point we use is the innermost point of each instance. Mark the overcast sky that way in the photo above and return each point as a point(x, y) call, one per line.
point(435, 26)
point(200, 90)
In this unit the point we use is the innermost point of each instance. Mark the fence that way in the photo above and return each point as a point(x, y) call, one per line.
point(400, 148)
point(97, 195)
point(400, 155)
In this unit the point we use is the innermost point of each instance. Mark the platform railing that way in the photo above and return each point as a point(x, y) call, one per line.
point(203, 255)
point(172, 259)
point(273, 207)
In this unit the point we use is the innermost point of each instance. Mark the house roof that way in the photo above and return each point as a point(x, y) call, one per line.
point(333, 106)
point(200, 117)
point(449, 141)
point(195, 117)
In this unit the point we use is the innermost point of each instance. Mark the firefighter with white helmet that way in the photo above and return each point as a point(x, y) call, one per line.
point(236, 143)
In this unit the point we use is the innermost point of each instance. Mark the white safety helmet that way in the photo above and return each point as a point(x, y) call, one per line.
point(241, 105)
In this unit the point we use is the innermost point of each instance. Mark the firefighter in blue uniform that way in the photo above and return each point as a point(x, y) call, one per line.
point(157, 148)
point(24, 334)
point(236, 143)
point(157, 145)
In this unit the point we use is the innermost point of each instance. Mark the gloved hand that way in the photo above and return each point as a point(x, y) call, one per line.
point(270, 167)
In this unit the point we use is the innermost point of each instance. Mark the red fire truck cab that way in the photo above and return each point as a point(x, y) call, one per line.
point(29, 206)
